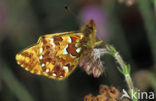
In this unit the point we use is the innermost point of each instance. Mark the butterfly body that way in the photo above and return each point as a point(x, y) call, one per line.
point(57, 55)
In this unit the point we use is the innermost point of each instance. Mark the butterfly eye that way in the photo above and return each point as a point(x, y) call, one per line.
point(88, 29)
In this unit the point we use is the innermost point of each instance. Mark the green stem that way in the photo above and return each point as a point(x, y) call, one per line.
point(150, 23)
point(127, 75)
point(124, 69)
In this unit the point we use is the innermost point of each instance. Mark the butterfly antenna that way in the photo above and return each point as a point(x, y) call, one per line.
point(70, 11)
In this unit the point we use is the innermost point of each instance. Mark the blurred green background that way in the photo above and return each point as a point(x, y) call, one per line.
point(129, 25)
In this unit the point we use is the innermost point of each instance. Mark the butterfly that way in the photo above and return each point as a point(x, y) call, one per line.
point(57, 55)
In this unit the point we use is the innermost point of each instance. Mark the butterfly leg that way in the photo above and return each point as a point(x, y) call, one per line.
point(98, 42)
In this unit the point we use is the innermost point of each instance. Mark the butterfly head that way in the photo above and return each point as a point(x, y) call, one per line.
point(89, 28)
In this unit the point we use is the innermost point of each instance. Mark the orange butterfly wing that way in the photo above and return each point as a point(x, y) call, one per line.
point(28, 59)
point(57, 55)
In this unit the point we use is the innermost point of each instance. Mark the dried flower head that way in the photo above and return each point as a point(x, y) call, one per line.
point(103, 89)
point(114, 93)
point(101, 98)
point(88, 97)
point(92, 63)
point(106, 94)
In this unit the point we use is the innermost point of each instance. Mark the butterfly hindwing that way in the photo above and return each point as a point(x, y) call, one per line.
point(28, 59)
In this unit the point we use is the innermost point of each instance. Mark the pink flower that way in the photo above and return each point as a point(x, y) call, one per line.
point(92, 63)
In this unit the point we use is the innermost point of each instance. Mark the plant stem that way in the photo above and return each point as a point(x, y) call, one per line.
point(124, 69)
point(127, 75)
point(149, 23)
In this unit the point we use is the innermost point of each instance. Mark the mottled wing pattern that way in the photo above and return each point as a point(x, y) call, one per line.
point(60, 53)
point(55, 55)
point(28, 59)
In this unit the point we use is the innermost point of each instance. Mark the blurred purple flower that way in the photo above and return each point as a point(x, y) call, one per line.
point(98, 15)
